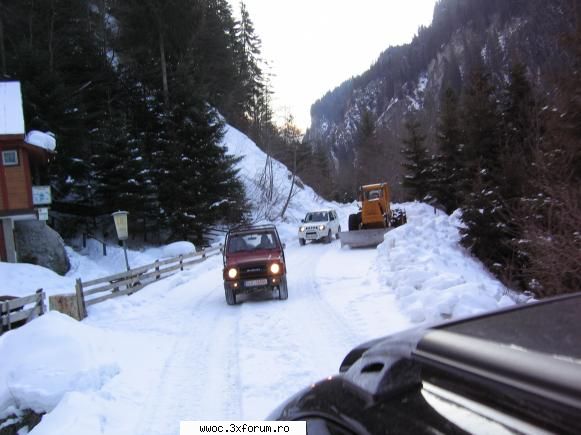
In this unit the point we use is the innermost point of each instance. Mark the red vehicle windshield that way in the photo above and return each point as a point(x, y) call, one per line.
point(248, 242)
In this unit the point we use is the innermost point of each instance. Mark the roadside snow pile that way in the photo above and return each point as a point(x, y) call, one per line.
point(89, 379)
point(21, 279)
point(90, 263)
point(172, 250)
point(50, 357)
point(178, 248)
point(432, 276)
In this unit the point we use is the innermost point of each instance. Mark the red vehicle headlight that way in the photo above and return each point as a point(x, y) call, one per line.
point(232, 273)
point(275, 268)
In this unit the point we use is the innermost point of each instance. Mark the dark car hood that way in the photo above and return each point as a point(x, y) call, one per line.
point(405, 341)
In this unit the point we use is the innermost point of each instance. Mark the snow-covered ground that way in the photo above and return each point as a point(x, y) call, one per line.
point(175, 351)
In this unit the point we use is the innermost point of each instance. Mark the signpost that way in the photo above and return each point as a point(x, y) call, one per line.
point(41, 195)
point(120, 219)
point(42, 213)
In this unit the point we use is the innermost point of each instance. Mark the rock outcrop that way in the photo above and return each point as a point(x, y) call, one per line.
point(39, 244)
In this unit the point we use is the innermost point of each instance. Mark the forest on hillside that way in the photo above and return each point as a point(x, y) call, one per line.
point(511, 163)
point(479, 113)
point(507, 154)
point(137, 94)
point(464, 35)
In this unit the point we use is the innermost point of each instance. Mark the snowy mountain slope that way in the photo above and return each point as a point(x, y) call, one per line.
point(176, 351)
point(251, 171)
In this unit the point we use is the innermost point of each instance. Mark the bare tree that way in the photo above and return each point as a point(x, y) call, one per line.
point(551, 216)
point(552, 221)
point(266, 180)
point(291, 136)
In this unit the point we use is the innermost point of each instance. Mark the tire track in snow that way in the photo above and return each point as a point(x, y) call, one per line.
point(239, 362)
point(333, 321)
point(294, 342)
point(354, 289)
point(200, 377)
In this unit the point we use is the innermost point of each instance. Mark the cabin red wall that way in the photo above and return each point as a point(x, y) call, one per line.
point(2, 245)
point(15, 181)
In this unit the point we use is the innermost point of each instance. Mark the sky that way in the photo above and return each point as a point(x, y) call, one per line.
point(176, 351)
point(315, 45)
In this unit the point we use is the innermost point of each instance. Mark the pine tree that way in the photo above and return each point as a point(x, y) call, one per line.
point(127, 89)
point(250, 73)
point(447, 163)
point(452, 77)
point(482, 204)
point(418, 166)
point(322, 172)
point(519, 136)
point(481, 123)
point(519, 131)
point(120, 171)
point(196, 181)
point(215, 45)
point(67, 86)
point(369, 162)
point(193, 180)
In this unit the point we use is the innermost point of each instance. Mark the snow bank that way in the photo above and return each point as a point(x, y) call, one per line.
point(178, 248)
point(50, 357)
point(172, 250)
point(433, 277)
point(90, 263)
point(22, 279)
point(89, 379)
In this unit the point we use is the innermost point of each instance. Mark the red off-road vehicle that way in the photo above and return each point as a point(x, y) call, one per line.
point(254, 261)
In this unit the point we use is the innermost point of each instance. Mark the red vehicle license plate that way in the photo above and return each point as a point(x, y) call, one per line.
point(255, 282)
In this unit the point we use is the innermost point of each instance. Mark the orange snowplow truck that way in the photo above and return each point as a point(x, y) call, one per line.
point(375, 218)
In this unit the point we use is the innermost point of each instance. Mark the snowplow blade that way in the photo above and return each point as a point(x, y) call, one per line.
point(362, 238)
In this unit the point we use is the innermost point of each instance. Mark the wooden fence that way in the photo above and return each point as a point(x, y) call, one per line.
point(92, 292)
point(13, 312)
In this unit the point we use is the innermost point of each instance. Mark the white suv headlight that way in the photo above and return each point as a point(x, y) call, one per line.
point(302, 229)
point(321, 227)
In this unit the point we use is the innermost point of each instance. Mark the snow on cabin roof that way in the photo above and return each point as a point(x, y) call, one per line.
point(41, 140)
point(11, 115)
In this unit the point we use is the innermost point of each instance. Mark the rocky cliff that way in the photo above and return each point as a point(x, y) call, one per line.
point(464, 34)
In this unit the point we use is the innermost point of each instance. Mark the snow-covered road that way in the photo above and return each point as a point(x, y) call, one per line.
point(223, 362)
point(176, 351)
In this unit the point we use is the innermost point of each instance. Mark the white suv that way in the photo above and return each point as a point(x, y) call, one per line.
point(319, 225)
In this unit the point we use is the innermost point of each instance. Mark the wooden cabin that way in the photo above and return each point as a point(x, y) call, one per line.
point(24, 190)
